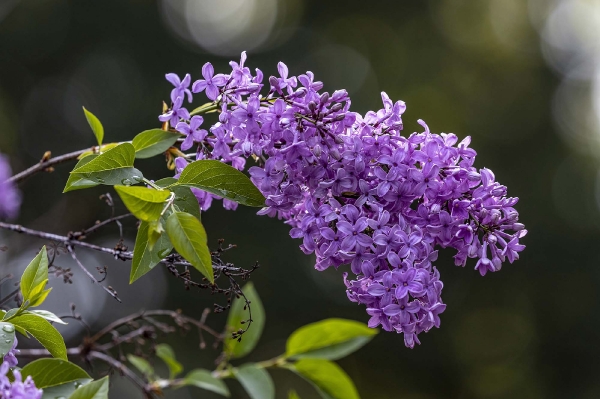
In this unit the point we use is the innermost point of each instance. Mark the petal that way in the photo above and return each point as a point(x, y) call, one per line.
point(392, 310)
point(199, 86)
point(208, 71)
point(212, 92)
point(282, 69)
point(220, 79)
point(173, 79)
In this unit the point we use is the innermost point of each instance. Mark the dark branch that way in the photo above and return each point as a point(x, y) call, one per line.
point(116, 253)
point(46, 164)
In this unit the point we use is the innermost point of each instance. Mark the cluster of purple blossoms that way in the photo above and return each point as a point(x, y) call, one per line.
point(354, 189)
point(10, 199)
point(18, 389)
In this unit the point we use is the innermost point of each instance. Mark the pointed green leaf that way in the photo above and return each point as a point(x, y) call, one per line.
point(144, 257)
point(95, 125)
point(256, 381)
point(166, 354)
point(47, 315)
point(44, 332)
point(39, 298)
point(153, 142)
point(141, 364)
point(78, 182)
point(293, 395)
point(7, 332)
point(221, 179)
point(93, 390)
point(327, 377)
point(145, 203)
point(115, 166)
point(52, 372)
point(35, 275)
point(189, 239)
point(328, 339)
point(10, 314)
point(204, 379)
point(237, 314)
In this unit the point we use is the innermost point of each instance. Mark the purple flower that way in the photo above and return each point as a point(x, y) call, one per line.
point(10, 358)
point(18, 389)
point(181, 86)
point(10, 198)
point(176, 113)
point(210, 83)
point(192, 131)
point(406, 284)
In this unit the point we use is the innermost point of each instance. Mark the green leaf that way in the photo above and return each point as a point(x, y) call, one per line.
point(64, 390)
point(35, 276)
point(98, 150)
point(327, 377)
point(185, 200)
point(221, 179)
point(144, 257)
point(53, 372)
point(203, 379)
point(189, 239)
point(48, 316)
point(10, 314)
point(78, 182)
point(153, 142)
point(155, 231)
point(256, 381)
point(328, 339)
point(7, 338)
point(93, 390)
point(293, 395)
point(95, 125)
point(141, 364)
point(237, 314)
point(44, 332)
point(115, 166)
point(39, 297)
point(166, 354)
point(145, 203)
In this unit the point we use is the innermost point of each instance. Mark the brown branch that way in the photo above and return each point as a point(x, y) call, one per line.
point(45, 353)
point(124, 370)
point(116, 253)
point(176, 316)
point(46, 164)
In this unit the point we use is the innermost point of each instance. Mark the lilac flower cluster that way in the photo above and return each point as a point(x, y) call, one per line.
point(354, 189)
point(18, 389)
point(10, 199)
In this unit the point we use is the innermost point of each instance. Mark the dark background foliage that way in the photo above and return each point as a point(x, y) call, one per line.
point(515, 75)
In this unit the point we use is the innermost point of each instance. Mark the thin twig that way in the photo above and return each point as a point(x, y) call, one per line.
point(110, 291)
point(46, 164)
point(83, 233)
point(150, 313)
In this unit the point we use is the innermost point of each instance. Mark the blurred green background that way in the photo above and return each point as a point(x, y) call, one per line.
point(521, 77)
